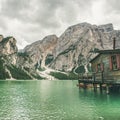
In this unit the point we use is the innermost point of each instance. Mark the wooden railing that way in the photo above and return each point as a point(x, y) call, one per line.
point(101, 77)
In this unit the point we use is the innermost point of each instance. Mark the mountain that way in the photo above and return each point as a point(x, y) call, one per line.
point(72, 49)
point(9, 61)
point(41, 52)
point(71, 52)
point(74, 45)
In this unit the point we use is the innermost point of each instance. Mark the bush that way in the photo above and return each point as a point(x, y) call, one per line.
point(49, 58)
point(23, 54)
point(62, 76)
point(73, 76)
point(59, 75)
point(80, 69)
point(18, 73)
point(3, 73)
point(36, 76)
point(6, 39)
point(41, 69)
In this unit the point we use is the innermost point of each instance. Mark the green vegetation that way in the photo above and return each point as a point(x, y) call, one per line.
point(27, 69)
point(62, 76)
point(72, 47)
point(23, 54)
point(96, 49)
point(49, 59)
point(3, 73)
point(80, 69)
point(64, 68)
point(36, 76)
point(6, 39)
point(59, 75)
point(41, 69)
point(73, 76)
point(18, 73)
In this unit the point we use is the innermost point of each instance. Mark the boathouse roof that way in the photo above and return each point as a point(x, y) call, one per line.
point(111, 51)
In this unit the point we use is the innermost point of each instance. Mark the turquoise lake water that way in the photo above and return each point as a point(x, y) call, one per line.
point(55, 100)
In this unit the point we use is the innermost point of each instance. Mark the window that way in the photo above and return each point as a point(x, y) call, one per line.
point(114, 62)
point(100, 67)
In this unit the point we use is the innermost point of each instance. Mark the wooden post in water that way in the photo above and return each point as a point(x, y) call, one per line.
point(100, 87)
point(79, 83)
point(94, 85)
point(107, 89)
point(94, 77)
point(102, 77)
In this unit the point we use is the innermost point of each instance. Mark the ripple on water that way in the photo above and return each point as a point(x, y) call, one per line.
point(55, 100)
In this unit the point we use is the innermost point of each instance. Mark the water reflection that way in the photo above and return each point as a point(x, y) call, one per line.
point(105, 106)
point(55, 100)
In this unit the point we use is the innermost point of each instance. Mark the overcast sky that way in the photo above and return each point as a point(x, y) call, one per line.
point(31, 20)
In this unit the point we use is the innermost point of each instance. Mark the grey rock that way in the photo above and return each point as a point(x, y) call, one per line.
point(106, 27)
point(72, 48)
point(38, 51)
point(8, 46)
point(70, 51)
point(1, 38)
point(79, 40)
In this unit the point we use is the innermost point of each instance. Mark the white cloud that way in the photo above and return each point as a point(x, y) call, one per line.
point(31, 20)
point(98, 11)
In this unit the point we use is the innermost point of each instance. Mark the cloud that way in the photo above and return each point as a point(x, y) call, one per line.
point(12, 8)
point(111, 12)
point(31, 20)
point(113, 5)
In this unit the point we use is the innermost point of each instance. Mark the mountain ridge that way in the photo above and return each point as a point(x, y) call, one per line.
point(68, 53)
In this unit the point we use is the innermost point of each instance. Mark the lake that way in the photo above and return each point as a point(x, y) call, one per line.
point(55, 100)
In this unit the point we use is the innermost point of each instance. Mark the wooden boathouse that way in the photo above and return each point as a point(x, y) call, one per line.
point(105, 70)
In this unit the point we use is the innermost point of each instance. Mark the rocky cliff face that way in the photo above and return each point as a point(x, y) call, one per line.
point(7, 45)
point(74, 45)
point(8, 51)
point(40, 52)
point(69, 52)
point(72, 48)
point(8, 48)
point(9, 60)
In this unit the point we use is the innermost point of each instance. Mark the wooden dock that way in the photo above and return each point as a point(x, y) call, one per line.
point(103, 80)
